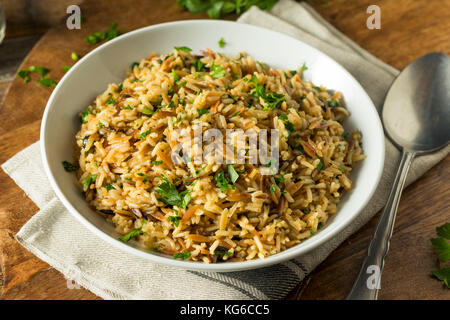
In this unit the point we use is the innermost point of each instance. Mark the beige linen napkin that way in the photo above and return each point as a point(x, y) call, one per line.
point(59, 239)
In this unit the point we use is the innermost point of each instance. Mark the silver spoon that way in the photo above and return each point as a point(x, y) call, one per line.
point(416, 117)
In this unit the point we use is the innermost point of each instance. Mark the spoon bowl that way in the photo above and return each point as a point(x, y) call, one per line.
point(416, 113)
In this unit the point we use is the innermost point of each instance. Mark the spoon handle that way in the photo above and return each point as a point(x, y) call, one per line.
point(368, 282)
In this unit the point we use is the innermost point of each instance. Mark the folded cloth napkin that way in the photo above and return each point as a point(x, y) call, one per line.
point(56, 237)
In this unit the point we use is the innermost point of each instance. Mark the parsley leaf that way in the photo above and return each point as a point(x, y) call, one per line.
point(175, 220)
point(202, 112)
point(84, 115)
point(70, 167)
point(132, 234)
point(198, 65)
point(185, 49)
point(182, 255)
point(320, 166)
point(217, 71)
point(222, 182)
point(47, 82)
point(221, 43)
point(442, 248)
point(157, 163)
point(171, 196)
point(234, 176)
point(333, 103)
point(444, 231)
point(109, 187)
point(109, 34)
point(443, 275)
point(144, 134)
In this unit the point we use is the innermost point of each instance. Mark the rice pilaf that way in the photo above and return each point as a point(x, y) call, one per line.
point(214, 212)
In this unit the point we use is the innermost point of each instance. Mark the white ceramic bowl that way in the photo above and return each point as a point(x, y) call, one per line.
point(106, 64)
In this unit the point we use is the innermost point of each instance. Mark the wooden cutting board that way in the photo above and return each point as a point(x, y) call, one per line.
point(410, 28)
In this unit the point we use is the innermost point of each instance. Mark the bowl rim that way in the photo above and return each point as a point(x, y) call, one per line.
point(200, 266)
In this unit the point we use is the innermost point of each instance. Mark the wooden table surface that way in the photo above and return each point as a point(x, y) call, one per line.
point(410, 28)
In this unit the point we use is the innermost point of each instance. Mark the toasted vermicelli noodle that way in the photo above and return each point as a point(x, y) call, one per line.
point(214, 212)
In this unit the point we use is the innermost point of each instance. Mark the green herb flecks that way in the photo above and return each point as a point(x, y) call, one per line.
point(185, 49)
point(222, 181)
point(171, 196)
point(109, 34)
point(144, 134)
point(232, 173)
point(69, 167)
point(217, 71)
point(202, 112)
point(221, 43)
point(182, 255)
point(132, 234)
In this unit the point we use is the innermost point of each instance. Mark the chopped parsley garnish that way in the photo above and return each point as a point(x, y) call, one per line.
point(273, 100)
point(175, 220)
point(199, 170)
point(47, 82)
point(66, 68)
point(185, 49)
point(109, 34)
point(221, 254)
point(41, 70)
point(339, 147)
point(221, 43)
point(171, 105)
point(157, 163)
point(111, 101)
point(182, 255)
point(320, 166)
point(273, 188)
point(134, 64)
point(235, 114)
point(100, 124)
point(341, 170)
point(109, 187)
point(279, 179)
point(176, 77)
point(171, 196)
point(24, 74)
point(287, 124)
point(147, 111)
point(126, 108)
point(91, 179)
point(344, 135)
point(202, 112)
point(133, 233)
point(217, 71)
point(222, 182)
point(144, 134)
point(333, 103)
point(305, 211)
point(198, 65)
point(84, 115)
point(234, 176)
point(316, 88)
point(69, 167)
point(74, 56)
point(304, 67)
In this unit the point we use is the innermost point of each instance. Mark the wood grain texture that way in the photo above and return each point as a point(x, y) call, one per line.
point(410, 28)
